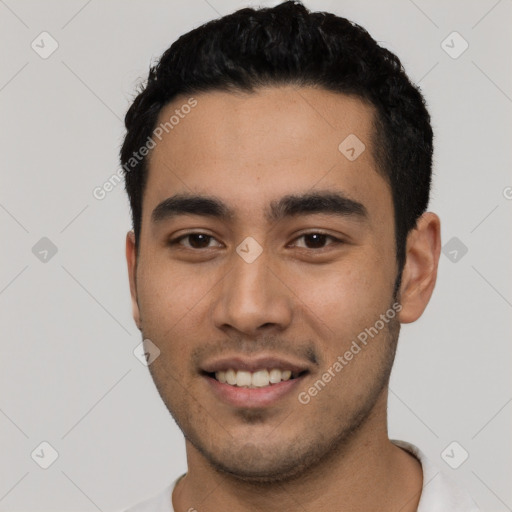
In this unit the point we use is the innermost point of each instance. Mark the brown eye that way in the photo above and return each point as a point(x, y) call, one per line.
point(316, 240)
point(199, 241)
point(196, 241)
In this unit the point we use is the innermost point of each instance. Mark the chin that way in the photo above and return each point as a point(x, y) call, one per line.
point(271, 472)
point(258, 464)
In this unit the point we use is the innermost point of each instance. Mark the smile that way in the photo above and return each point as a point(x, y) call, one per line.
point(258, 379)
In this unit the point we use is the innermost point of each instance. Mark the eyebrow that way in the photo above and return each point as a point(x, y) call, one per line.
point(326, 202)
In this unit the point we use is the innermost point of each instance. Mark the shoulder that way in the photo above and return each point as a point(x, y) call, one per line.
point(161, 502)
point(440, 492)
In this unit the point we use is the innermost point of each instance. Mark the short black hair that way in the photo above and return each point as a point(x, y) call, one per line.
point(288, 44)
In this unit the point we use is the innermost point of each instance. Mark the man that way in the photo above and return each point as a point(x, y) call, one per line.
point(278, 165)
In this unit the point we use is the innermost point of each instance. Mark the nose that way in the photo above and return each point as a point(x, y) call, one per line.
point(253, 297)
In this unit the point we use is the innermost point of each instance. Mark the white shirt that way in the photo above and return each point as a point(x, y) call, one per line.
point(440, 493)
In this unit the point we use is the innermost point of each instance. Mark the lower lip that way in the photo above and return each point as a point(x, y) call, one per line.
point(253, 397)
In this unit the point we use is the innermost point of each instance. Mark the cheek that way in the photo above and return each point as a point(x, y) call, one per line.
point(170, 298)
point(169, 292)
point(346, 299)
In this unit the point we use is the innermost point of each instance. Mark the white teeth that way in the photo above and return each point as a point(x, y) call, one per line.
point(275, 376)
point(286, 375)
point(230, 377)
point(243, 378)
point(258, 379)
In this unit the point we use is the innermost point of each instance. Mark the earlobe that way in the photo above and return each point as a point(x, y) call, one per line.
point(420, 269)
point(131, 260)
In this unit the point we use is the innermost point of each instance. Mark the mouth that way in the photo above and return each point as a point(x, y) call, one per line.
point(255, 382)
point(259, 379)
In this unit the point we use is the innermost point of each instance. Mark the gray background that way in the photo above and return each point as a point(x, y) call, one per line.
point(68, 373)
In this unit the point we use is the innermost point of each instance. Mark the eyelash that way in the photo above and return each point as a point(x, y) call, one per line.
point(337, 241)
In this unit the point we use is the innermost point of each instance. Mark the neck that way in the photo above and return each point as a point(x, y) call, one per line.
point(367, 472)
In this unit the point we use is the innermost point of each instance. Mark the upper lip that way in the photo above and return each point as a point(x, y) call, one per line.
point(253, 364)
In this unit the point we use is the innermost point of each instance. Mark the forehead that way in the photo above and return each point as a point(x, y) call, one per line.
point(251, 148)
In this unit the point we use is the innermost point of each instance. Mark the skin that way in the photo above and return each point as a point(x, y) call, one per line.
point(296, 300)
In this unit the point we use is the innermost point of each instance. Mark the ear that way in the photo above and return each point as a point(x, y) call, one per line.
point(131, 260)
point(420, 269)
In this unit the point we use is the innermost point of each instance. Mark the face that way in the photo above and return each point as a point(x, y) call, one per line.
point(266, 250)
